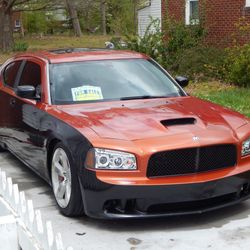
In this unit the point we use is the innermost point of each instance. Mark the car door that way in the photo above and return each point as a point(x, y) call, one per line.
point(8, 79)
point(28, 138)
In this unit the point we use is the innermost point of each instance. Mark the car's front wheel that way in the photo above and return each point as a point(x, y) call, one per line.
point(65, 182)
point(2, 149)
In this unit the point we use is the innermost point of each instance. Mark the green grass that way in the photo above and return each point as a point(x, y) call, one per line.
point(57, 42)
point(227, 95)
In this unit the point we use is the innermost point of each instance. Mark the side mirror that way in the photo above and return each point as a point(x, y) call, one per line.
point(182, 81)
point(26, 91)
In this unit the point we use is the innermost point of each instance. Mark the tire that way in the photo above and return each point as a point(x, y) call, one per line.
point(65, 183)
point(2, 149)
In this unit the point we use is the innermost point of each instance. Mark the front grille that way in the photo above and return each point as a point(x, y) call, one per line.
point(192, 160)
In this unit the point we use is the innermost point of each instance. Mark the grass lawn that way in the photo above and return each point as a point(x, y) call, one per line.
point(57, 42)
point(226, 95)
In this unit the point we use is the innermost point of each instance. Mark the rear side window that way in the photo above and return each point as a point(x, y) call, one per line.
point(31, 75)
point(10, 73)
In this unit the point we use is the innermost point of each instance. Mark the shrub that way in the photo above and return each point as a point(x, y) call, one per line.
point(181, 50)
point(152, 43)
point(20, 46)
point(180, 36)
point(169, 47)
point(200, 63)
point(237, 66)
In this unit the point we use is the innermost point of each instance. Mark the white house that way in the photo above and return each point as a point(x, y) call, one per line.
point(149, 8)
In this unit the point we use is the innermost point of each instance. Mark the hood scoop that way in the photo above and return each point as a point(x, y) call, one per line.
point(179, 122)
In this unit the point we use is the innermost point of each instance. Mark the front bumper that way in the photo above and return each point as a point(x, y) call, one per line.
point(107, 201)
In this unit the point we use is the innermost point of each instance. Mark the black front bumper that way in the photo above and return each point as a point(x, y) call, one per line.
point(102, 200)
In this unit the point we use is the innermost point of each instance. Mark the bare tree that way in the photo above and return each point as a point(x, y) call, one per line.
point(103, 4)
point(74, 17)
point(135, 6)
point(6, 35)
point(8, 7)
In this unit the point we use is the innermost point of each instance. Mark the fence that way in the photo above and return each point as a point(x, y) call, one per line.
point(32, 232)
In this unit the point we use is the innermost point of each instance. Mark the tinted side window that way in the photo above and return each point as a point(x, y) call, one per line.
point(10, 73)
point(31, 75)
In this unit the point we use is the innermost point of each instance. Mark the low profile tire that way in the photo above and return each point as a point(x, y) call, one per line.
point(65, 182)
point(2, 149)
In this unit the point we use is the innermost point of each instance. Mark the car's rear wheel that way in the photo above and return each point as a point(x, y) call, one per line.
point(65, 182)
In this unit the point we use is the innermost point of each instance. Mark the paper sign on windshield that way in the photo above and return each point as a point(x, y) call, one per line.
point(87, 93)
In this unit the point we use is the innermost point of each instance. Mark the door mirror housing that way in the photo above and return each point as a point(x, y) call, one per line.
point(26, 91)
point(182, 81)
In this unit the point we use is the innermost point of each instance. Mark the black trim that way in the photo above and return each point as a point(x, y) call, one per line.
point(76, 50)
point(193, 160)
point(40, 129)
point(105, 201)
point(18, 72)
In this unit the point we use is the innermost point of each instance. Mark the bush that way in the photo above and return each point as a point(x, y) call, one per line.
point(181, 51)
point(200, 63)
point(20, 46)
point(237, 67)
point(152, 43)
point(180, 36)
point(171, 48)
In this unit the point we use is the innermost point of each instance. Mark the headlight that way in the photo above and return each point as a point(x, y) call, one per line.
point(98, 158)
point(245, 148)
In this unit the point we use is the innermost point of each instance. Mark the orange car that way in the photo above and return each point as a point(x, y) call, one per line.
point(117, 137)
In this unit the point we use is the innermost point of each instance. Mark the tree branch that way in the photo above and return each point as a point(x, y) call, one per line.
point(44, 8)
point(10, 5)
point(21, 2)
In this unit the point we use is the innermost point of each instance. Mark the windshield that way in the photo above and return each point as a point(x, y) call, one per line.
point(95, 81)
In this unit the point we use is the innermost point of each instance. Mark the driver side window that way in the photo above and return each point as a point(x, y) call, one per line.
point(31, 76)
point(10, 73)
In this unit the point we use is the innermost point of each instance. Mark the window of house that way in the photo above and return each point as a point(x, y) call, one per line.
point(192, 12)
point(10, 73)
point(17, 23)
point(247, 3)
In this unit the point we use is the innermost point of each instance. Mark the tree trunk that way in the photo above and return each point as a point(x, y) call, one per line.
point(6, 29)
point(135, 3)
point(103, 17)
point(74, 17)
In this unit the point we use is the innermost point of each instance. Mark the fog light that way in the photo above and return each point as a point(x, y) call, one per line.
point(245, 148)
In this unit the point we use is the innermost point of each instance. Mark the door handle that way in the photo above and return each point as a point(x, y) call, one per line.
point(12, 102)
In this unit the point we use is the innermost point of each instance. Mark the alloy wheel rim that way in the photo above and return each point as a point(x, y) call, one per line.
point(61, 177)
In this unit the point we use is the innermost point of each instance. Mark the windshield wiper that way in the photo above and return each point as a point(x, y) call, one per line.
point(143, 97)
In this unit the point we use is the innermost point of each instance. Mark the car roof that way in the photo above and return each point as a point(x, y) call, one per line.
point(83, 54)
